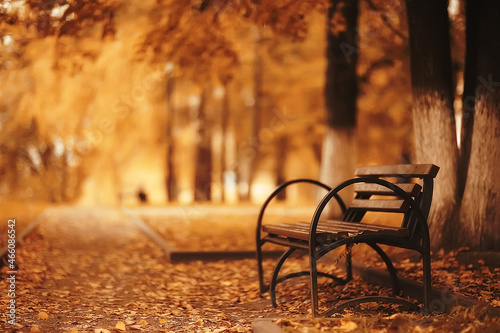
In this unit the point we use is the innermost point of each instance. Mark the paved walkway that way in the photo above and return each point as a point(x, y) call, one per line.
point(92, 270)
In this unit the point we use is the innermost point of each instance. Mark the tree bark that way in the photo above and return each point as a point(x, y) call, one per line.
point(230, 179)
point(217, 143)
point(341, 87)
point(468, 97)
point(204, 154)
point(433, 114)
point(262, 145)
point(341, 92)
point(480, 209)
point(171, 183)
point(339, 149)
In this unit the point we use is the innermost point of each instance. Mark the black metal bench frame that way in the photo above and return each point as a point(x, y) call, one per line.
point(319, 237)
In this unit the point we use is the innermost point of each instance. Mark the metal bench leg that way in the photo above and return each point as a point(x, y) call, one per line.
point(368, 299)
point(314, 284)
point(348, 261)
point(390, 267)
point(274, 279)
point(426, 258)
point(263, 287)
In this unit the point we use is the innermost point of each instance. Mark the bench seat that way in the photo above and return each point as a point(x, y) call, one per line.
point(330, 231)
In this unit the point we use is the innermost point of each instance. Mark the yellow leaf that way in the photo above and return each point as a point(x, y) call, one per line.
point(35, 329)
point(120, 326)
point(73, 330)
point(143, 323)
point(348, 326)
point(43, 315)
point(163, 321)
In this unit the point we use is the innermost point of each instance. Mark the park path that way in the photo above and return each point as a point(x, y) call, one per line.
point(93, 270)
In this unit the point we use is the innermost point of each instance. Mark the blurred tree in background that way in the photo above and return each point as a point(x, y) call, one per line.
point(37, 162)
point(233, 102)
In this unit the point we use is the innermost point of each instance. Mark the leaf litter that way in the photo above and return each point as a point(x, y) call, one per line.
point(93, 271)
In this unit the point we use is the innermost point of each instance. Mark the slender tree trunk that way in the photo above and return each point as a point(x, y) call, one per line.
point(262, 142)
point(280, 164)
point(186, 142)
point(204, 155)
point(171, 183)
point(252, 149)
point(217, 143)
point(480, 209)
point(230, 166)
point(341, 92)
point(433, 115)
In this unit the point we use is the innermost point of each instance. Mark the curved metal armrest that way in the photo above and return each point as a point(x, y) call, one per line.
point(398, 191)
point(282, 187)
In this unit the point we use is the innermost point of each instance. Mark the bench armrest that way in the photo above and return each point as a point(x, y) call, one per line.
point(281, 187)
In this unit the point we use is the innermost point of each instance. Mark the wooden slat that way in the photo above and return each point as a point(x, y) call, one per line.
point(329, 231)
point(296, 243)
point(344, 229)
point(331, 225)
point(292, 231)
point(400, 170)
point(391, 206)
point(376, 189)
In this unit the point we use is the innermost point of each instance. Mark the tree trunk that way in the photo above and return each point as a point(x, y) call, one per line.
point(186, 143)
point(217, 143)
point(262, 145)
point(171, 183)
point(341, 92)
point(480, 211)
point(230, 179)
point(433, 115)
point(204, 154)
point(339, 149)
point(247, 78)
point(468, 96)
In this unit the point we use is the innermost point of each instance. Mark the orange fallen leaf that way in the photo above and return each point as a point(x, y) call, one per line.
point(120, 326)
point(143, 323)
point(43, 315)
point(348, 326)
point(35, 329)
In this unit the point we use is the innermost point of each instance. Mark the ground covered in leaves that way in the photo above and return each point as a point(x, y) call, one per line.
point(456, 271)
point(92, 270)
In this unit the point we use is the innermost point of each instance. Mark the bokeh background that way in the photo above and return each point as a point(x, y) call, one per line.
point(95, 113)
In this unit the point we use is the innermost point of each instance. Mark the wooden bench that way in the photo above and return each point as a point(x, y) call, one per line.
point(403, 189)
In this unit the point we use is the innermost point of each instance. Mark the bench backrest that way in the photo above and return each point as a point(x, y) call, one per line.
point(415, 179)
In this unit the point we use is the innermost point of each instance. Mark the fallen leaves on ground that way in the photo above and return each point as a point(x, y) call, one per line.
point(237, 232)
point(475, 281)
point(460, 320)
point(94, 271)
